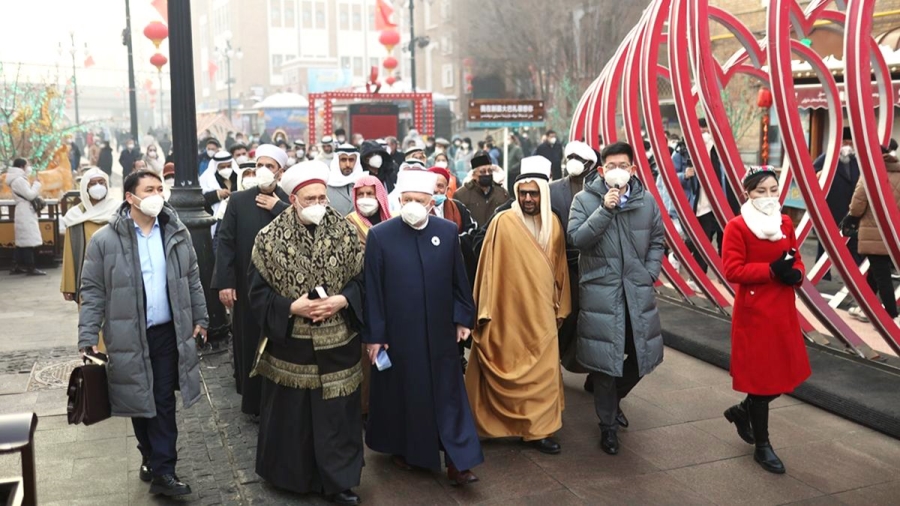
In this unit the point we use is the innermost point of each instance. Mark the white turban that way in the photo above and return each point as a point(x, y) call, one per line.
point(273, 152)
point(302, 174)
point(581, 150)
point(420, 181)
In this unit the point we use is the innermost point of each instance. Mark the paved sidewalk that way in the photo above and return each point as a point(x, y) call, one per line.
point(678, 450)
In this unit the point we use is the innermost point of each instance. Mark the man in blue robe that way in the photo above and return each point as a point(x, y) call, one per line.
point(418, 307)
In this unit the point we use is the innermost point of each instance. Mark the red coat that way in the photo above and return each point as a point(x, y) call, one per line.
point(768, 352)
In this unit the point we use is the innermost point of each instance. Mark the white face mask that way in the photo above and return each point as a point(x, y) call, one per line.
point(248, 182)
point(265, 179)
point(766, 205)
point(152, 154)
point(574, 167)
point(170, 181)
point(152, 205)
point(313, 214)
point(616, 178)
point(846, 152)
point(300, 153)
point(97, 192)
point(291, 162)
point(131, 146)
point(552, 140)
point(441, 164)
point(367, 206)
point(375, 161)
point(340, 140)
point(209, 152)
point(226, 172)
point(413, 213)
point(707, 138)
point(242, 159)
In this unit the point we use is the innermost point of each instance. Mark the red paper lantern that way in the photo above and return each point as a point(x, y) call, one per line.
point(158, 61)
point(389, 38)
point(764, 98)
point(469, 78)
point(468, 88)
point(390, 63)
point(390, 80)
point(157, 32)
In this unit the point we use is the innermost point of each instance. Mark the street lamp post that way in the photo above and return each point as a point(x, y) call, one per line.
point(186, 195)
point(412, 45)
point(72, 50)
point(228, 52)
point(132, 93)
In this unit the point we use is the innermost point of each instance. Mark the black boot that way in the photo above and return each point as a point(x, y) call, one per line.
point(759, 421)
point(740, 417)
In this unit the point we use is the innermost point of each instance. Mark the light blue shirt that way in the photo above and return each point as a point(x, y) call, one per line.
point(153, 270)
point(623, 198)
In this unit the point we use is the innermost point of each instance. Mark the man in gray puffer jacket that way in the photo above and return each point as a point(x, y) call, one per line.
point(140, 285)
point(617, 228)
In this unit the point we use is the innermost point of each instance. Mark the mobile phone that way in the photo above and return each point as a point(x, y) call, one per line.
point(382, 360)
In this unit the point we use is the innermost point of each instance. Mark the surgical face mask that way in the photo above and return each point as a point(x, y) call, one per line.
point(375, 161)
point(552, 140)
point(442, 164)
point(616, 178)
point(129, 146)
point(209, 152)
point(439, 200)
point(300, 153)
point(766, 205)
point(151, 154)
point(707, 138)
point(574, 167)
point(485, 180)
point(97, 192)
point(265, 179)
point(367, 206)
point(465, 145)
point(313, 214)
point(170, 182)
point(341, 140)
point(413, 213)
point(226, 172)
point(291, 162)
point(456, 143)
point(152, 205)
point(249, 182)
point(242, 159)
point(846, 152)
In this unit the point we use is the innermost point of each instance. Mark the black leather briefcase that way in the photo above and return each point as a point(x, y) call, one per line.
point(88, 394)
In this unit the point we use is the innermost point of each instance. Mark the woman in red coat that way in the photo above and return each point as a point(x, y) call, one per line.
point(768, 353)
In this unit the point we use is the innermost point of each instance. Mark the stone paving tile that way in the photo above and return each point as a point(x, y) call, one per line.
point(884, 494)
point(583, 464)
point(741, 481)
point(506, 475)
point(561, 497)
point(691, 404)
point(677, 446)
point(657, 489)
point(13, 383)
point(831, 466)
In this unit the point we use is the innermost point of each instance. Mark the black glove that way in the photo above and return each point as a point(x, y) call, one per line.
point(850, 226)
point(782, 266)
point(792, 277)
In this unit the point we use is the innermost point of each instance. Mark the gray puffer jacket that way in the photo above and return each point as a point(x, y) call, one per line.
point(112, 299)
point(620, 258)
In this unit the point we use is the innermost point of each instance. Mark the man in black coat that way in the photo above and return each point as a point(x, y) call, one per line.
point(376, 160)
point(247, 213)
point(129, 155)
point(838, 198)
point(553, 151)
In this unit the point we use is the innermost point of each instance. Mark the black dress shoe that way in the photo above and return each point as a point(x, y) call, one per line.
point(546, 445)
point(145, 473)
point(766, 458)
point(347, 497)
point(739, 416)
point(169, 485)
point(401, 463)
point(460, 478)
point(620, 419)
point(609, 441)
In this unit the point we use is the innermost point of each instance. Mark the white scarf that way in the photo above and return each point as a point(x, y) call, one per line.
point(100, 212)
point(762, 225)
point(337, 178)
point(540, 226)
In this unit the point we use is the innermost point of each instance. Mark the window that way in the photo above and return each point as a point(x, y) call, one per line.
point(320, 15)
point(357, 18)
point(344, 17)
point(345, 62)
point(275, 12)
point(373, 62)
point(445, 10)
point(277, 59)
point(357, 66)
point(447, 75)
point(372, 18)
point(289, 13)
point(306, 14)
point(446, 45)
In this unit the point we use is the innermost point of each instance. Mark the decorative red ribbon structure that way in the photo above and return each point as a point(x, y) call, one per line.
point(423, 108)
point(624, 101)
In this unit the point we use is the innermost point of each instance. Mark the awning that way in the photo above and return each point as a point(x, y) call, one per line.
point(812, 96)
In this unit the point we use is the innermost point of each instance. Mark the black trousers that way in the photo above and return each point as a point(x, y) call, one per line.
point(23, 258)
point(852, 245)
point(711, 229)
point(879, 279)
point(157, 436)
point(610, 390)
point(758, 406)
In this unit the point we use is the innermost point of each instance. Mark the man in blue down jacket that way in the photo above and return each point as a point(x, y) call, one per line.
point(140, 285)
point(617, 228)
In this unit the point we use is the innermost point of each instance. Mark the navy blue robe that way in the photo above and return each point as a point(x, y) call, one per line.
point(416, 293)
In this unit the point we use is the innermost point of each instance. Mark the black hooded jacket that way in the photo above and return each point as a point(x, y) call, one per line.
point(387, 173)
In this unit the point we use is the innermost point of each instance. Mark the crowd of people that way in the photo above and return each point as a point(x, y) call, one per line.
point(375, 288)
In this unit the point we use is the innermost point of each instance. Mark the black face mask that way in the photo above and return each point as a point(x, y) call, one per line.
point(485, 180)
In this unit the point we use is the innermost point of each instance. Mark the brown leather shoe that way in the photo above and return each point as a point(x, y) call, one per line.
point(401, 463)
point(459, 478)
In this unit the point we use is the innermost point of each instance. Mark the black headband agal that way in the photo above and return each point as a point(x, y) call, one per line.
point(532, 175)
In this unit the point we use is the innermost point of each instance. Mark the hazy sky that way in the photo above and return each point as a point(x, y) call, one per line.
point(33, 29)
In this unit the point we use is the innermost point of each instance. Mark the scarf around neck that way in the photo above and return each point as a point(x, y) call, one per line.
point(762, 225)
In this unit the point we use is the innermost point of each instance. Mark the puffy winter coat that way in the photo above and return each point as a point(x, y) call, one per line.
point(620, 258)
point(870, 240)
point(112, 299)
point(28, 230)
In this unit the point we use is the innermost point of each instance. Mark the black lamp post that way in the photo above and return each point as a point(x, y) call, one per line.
point(186, 195)
point(132, 93)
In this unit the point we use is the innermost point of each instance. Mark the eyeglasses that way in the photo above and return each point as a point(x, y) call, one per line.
point(623, 166)
point(311, 201)
point(529, 193)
